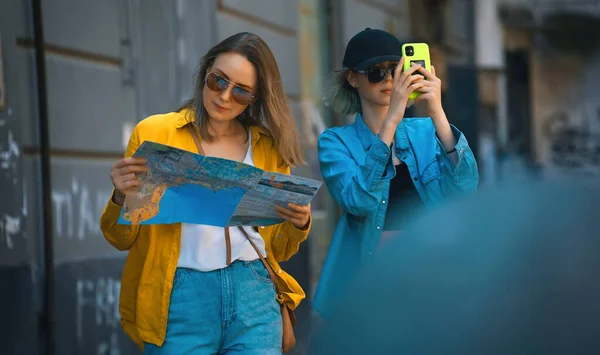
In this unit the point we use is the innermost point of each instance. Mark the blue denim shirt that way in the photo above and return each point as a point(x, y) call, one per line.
point(357, 168)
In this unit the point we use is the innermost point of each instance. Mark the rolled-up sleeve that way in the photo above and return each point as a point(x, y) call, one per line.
point(120, 236)
point(356, 188)
point(461, 178)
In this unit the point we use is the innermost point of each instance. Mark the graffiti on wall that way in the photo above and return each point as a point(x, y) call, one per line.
point(98, 299)
point(12, 190)
point(574, 141)
point(87, 307)
point(77, 210)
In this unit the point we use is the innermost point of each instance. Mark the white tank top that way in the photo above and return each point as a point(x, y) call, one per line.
point(203, 247)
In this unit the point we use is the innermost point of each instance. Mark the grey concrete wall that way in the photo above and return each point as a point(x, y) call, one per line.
point(389, 15)
point(109, 64)
point(19, 299)
point(13, 238)
point(274, 21)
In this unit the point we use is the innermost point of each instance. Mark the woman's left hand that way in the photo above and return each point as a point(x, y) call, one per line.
point(297, 214)
point(431, 91)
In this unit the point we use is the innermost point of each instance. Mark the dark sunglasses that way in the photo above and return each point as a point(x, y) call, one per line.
point(376, 75)
point(215, 82)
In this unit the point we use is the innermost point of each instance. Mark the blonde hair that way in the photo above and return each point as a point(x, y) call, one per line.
point(340, 95)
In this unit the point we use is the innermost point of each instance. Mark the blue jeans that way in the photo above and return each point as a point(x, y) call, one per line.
point(227, 311)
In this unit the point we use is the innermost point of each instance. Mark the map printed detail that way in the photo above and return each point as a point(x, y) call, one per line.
point(183, 187)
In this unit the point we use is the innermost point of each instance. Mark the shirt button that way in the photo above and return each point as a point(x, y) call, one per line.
point(415, 178)
point(279, 271)
point(263, 227)
point(378, 227)
point(383, 202)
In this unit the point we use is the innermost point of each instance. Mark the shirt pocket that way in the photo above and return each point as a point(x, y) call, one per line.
point(431, 173)
point(431, 183)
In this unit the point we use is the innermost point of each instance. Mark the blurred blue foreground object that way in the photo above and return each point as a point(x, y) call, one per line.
point(513, 271)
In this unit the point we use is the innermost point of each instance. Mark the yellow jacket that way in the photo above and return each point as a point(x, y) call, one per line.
point(154, 249)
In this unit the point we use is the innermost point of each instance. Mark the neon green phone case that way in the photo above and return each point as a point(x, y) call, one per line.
point(419, 54)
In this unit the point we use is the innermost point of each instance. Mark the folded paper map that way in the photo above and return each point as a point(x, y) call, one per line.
point(183, 187)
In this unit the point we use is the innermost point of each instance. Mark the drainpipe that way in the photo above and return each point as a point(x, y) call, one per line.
point(47, 321)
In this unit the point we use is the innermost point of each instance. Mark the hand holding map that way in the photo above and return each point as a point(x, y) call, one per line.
point(183, 187)
point(123, 176)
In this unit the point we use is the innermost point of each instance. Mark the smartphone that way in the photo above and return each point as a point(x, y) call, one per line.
point(416, 53)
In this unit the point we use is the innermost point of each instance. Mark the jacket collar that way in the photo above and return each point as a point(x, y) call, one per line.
point(364, 133)
point(367, 137)
point(185, 116)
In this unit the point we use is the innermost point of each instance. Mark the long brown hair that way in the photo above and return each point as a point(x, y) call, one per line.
point(269, 111)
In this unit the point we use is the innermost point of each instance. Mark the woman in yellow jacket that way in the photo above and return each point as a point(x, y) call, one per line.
point(185, 290)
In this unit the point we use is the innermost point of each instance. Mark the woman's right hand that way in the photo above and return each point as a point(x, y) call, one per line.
point(403, 85)
point(123, 177)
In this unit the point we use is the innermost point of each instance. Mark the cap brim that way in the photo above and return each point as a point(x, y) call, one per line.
point(372, 61)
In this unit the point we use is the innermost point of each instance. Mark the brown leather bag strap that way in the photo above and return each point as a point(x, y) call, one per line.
point(267, 266)
point(195, 135)
point(228, 246)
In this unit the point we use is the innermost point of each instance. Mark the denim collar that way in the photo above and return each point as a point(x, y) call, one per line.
point(367, 137)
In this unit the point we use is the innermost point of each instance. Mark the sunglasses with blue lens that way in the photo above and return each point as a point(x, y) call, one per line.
point(215, 82)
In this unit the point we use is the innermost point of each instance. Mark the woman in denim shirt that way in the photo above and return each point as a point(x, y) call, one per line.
point(384, 168)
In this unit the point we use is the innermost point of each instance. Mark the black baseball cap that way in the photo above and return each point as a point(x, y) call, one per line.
point(369, 47)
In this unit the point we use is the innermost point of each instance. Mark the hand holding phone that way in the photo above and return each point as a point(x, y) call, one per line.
point(405, 82)
point(417, 53)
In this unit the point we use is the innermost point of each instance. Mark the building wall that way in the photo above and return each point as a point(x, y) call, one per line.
point(108, 65)
point(389, 15)
point(112, 63)
point(18, 298)
point(565, 67)
point(566, 112)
